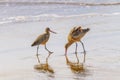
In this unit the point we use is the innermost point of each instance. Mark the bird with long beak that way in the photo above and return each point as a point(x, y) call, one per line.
point(42, 39)
point(75, 36)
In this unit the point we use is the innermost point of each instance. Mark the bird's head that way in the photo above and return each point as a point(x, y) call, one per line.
point(48, 30)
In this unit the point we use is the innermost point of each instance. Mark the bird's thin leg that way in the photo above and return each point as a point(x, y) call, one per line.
point(37, 50)
point(37, 54)
point(84, 50)
point(47, 58)
point(76, 48)
point(48, 50)
point(77, 58)
point(38, 59)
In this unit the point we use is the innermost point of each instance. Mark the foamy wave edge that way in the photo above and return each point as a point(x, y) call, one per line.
point(47, 17)
point(60, 2)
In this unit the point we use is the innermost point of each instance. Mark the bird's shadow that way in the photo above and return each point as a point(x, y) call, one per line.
point(44, 67)
point(76, 67)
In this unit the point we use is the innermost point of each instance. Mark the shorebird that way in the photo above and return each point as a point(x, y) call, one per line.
point(42, 39)
point(75, 36)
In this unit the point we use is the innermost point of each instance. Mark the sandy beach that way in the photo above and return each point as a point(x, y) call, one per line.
point(22, 21)
point(18, 58)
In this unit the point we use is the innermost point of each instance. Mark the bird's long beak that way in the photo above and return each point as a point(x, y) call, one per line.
point(53, 32)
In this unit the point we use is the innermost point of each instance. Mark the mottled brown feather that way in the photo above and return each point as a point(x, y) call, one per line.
point(41, 39)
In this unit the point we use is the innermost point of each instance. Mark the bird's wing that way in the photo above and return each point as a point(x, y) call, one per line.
point(72, 30)
point(80, 33)
point(40, 39)
point(76, 33)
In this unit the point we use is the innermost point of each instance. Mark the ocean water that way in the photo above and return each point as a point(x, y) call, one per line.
point(14, 11)
point(22, 21)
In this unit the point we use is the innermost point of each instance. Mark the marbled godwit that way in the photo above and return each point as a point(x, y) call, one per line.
point(75, 36)
point(42, 39)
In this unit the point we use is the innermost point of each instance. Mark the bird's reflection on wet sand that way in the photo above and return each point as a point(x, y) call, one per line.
point(76, 67)
point(44, 67)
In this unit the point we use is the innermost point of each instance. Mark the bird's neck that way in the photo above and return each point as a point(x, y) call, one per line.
point(68, 44)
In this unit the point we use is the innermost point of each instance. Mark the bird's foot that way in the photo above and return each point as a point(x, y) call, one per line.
point(50, 52)
point(37, 54)
point(65, 55)
point(84, 52)
point(75, 52)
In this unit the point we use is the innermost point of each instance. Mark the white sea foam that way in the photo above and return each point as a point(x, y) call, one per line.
point(49, 17)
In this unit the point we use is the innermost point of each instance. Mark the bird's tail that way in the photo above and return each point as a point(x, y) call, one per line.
point(86, 30)
point(33, 44)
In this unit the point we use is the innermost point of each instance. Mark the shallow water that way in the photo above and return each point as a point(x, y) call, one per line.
point(15, 11)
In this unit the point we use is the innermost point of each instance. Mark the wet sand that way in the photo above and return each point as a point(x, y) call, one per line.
point(18, 60)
